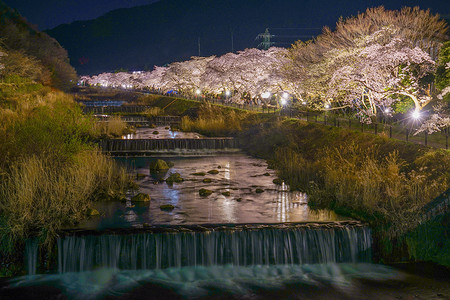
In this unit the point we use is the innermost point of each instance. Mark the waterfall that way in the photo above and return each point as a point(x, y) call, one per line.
point(267, 246)
point(31, 255)
point(161, 145)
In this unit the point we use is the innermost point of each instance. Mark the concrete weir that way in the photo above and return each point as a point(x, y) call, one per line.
point(176, 146)
point(164, 246)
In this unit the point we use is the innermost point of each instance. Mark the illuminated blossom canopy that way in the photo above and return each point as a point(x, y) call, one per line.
point(380, 60)
point(376, 71)
point(250, 73)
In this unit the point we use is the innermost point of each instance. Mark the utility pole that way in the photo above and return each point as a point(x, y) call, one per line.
point(199, 46)
point(232, 46)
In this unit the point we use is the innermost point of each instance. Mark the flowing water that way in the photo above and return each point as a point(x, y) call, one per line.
point(239, 247)
point(163, 132)
point(307, 281)
point(238, 174)
point(248, 239)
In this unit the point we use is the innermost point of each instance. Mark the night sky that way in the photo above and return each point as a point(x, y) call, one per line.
point(50, 13)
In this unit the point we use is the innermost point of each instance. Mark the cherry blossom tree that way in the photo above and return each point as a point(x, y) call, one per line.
point(377, 73)
point(372, 60)
point(249, 73)
point(185, 76)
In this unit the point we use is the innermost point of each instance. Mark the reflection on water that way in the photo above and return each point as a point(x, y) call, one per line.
point(164, 132)
point(242, 176)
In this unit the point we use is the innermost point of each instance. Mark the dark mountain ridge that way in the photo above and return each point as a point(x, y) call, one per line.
point(170, 30)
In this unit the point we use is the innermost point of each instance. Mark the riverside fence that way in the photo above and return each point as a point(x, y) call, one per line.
point(390, 127)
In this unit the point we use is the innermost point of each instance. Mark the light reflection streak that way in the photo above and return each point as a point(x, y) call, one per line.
point(130, 216)
point(290, 204)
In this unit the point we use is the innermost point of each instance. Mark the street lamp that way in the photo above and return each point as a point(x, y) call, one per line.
point(416, 114)
point(265, 95)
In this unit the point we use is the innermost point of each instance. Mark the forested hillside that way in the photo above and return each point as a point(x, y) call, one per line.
point(33, 54)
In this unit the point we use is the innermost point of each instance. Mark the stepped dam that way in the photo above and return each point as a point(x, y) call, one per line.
point(159, 247)
point(142, 146)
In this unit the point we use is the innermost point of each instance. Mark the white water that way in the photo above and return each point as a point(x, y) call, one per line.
point(335, 281)
point(240, 248)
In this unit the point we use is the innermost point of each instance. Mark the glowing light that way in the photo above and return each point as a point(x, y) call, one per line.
point(285, 95)
point(265, 95)
point(327, 106)
point(198, 92)
point(227, 93)
point(387, 110)
point(304, 103)
point(416, 114)
point(283, 102)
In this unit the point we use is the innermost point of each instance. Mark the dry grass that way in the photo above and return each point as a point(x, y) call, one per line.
point(39, 196)
point(114, 127)
point(298, 171)
point(215, 120)
point(382, 188)
point(153, 111)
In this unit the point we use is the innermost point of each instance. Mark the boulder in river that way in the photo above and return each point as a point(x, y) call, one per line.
point(207, 180)
point(199, 174)
point(174, 177)
point(141, 197)
point(213, 172)
point(167, 207)
point(278, 181)
point(204, 192)
point(140, 176)
point(158, 165)
point(92, 212)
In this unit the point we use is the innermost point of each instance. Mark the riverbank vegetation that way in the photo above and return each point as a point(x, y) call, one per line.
point(371, 178)
point(51, 172)
point(215, 120)
point(112, 127)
